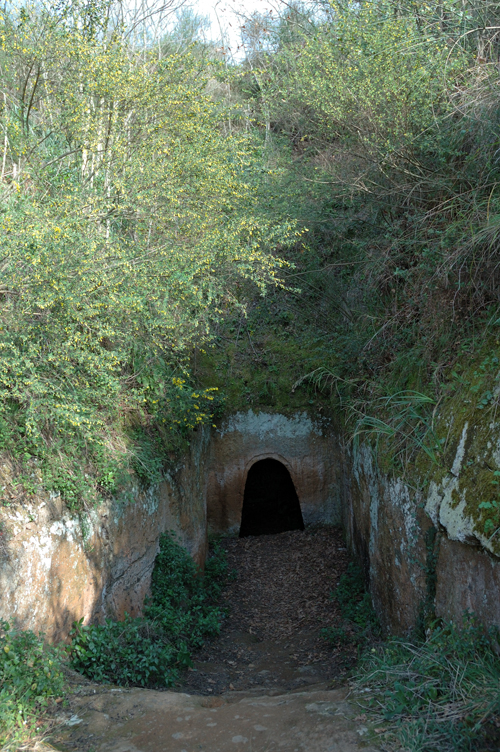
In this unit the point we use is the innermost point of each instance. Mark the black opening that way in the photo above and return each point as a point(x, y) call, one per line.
point(270, 503)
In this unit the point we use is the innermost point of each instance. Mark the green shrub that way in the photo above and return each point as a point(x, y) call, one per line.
point(182, 599)
point(30, 675)
point(439, 695)
point(117, 260)
point(127, 652)
point(360, 622)
point(180, 614)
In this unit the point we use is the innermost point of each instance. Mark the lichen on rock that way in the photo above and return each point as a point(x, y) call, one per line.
point(464, 493)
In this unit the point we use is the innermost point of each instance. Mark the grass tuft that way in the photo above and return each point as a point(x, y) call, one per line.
point(439, 695)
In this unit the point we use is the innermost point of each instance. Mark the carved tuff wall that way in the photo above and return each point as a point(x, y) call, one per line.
point(56, 567)
point(422, 539)
point(308, 448)
point(425, 539)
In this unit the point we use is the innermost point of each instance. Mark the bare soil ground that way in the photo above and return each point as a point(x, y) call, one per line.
point(278, 605)
point(264, 685)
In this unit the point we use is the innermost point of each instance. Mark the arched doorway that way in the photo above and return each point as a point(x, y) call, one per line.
point(270, 503)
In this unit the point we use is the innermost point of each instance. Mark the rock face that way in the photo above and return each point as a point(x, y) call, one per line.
point(386, 533)
point(465, 501)
point(419, 549)
point(468, 579)
point(56, 567)
point(308, 449)
point(422, 545)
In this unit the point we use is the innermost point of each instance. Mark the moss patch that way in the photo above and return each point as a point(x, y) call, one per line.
point(472, 406)
point(256, 360)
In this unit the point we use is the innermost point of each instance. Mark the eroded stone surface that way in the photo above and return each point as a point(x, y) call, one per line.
point(386, 532)
point(468, 579)
point(386, 527)
point(309, 449)
point(456, 499)
point(56, 567)
point(147, 721)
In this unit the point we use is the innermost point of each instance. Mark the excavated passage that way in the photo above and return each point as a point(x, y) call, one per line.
point(262, 685)
point(278, 604)
point(270, 503)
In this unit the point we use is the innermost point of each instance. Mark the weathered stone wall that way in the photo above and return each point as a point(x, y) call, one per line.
point(386, 520)
point(310, 450)
point(463, 501)
point(385, 532)
point(468, 579)
point(56, 567)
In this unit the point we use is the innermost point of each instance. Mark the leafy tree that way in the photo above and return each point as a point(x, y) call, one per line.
point(128, 224)
point(390, 113)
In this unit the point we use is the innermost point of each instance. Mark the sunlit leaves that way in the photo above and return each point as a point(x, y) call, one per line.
point(127, 224)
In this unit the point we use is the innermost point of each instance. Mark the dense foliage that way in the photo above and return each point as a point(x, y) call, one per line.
point(180, 615)
point(129, 219)
point(390, 111)
point(147, 189)
point(437, 695)
point(30, 678)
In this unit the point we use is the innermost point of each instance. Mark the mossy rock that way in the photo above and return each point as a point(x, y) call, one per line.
point(464, 491)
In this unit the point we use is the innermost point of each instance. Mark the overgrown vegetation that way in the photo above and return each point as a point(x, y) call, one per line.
point(437, 695)
point(438, 691)
point(255, 358)
point(130, 216)
point(181, 613)
point(359, 623)
point(150, 191)
point(31, 679)
point(390, 113)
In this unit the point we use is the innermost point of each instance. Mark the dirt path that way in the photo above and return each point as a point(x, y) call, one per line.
point(278, 605)
point(265, 684)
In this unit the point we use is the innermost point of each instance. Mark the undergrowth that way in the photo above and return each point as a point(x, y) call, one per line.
point(180, 614)
point(255, 358)
point(437, 695)
point(439, 692)
point(31, 680)
point(85, 469)
point(359, 623)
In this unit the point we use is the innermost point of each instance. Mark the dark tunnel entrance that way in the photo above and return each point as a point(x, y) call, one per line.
point(270, 503)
